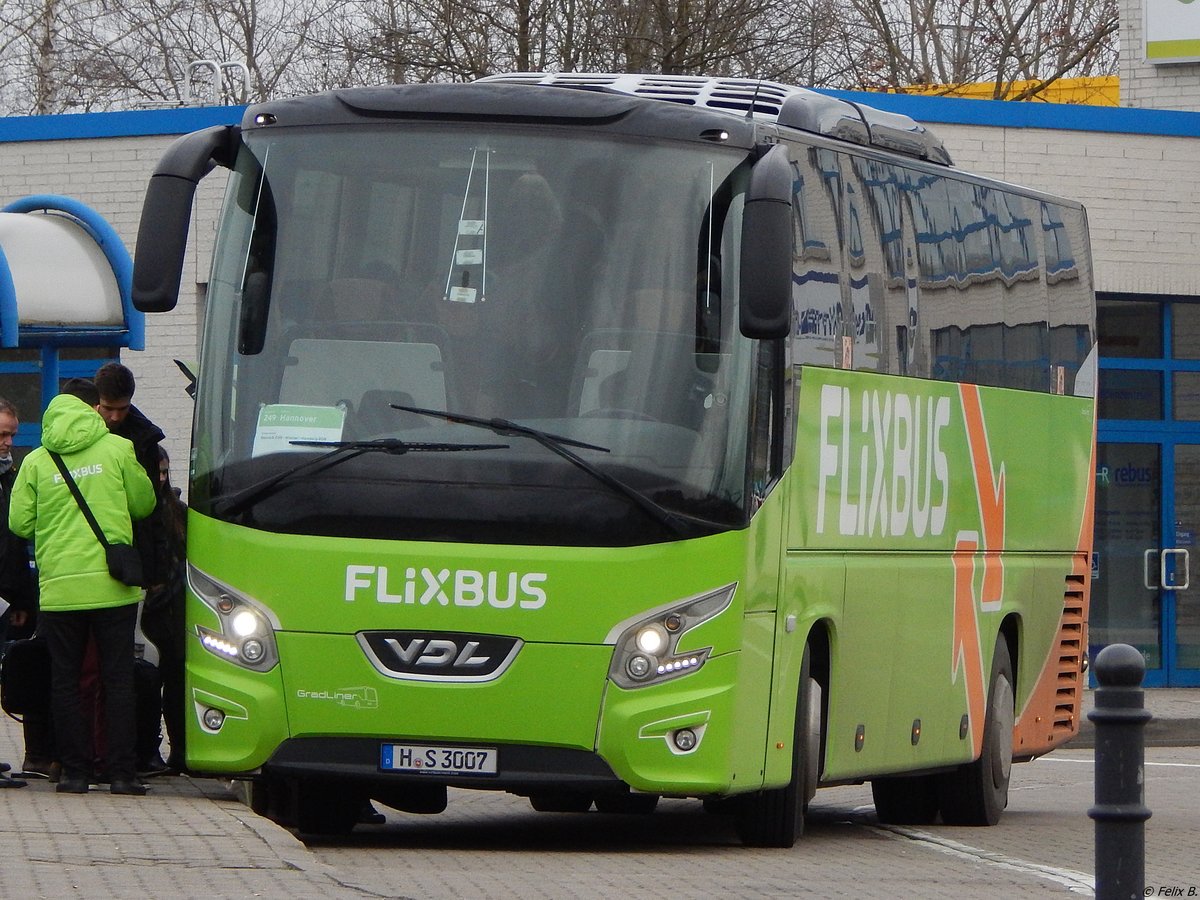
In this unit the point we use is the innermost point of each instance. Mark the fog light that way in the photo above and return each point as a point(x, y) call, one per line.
point(685, 739)
point(252, 650)
point(213, 719)
point(638, 666)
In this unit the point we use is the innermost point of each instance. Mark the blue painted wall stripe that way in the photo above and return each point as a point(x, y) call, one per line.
point(134, 123)
point(946, 110)
point(1010, 114)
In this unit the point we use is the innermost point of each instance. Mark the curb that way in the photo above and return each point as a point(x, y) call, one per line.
point(1158, 733)
point(285, 845)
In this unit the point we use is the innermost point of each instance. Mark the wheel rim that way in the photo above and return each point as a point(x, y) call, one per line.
point(1003, 719)
point(812, 761)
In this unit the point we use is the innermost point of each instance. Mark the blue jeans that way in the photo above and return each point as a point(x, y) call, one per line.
point(67, 636)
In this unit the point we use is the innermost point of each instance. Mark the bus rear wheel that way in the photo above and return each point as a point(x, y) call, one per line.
point(775, 817)
point(977, 793)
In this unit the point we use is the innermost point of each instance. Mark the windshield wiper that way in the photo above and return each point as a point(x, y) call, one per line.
point(340, 452)
point(503, 427)
point(559, 445)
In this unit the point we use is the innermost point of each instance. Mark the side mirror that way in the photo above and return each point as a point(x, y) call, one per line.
point(166, 212)
point(766, 274)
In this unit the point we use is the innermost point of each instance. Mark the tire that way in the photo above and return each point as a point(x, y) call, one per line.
point(775, 817)
point(273, 798)
point(909, 800)
point(977, 793)
point(326, 810)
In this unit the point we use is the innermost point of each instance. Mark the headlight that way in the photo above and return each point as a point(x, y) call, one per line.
point(647, 650)
point(247, 628)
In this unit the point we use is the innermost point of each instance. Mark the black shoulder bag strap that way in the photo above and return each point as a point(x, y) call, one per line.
point(87, 512)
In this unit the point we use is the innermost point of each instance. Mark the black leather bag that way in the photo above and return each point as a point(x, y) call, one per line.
point(25, 678)
point(125, 564)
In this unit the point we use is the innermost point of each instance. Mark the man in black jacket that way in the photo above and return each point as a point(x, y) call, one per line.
point(115, 384)
point(17, 586)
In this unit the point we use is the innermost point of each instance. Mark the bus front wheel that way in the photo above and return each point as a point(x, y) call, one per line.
point(775, 817)
point(323, 809)
point(977, 793)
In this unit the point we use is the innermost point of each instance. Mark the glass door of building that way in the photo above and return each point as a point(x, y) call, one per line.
point(1146, 568)
point(1144, 587)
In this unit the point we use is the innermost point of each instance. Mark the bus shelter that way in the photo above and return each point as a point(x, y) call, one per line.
point(65, 305)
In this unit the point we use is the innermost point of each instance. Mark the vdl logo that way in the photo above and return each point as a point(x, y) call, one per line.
point(439, 656)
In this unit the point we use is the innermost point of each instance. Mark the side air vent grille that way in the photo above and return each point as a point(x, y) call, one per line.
point(1071, 647)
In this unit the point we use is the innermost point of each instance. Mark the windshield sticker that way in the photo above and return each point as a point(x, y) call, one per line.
point(279, 424)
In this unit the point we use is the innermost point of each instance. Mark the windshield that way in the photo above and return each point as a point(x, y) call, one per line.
point(582, 289)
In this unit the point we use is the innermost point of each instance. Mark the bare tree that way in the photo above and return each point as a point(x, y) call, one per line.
point(896, 44)
point(34, 70)
point(62, 55)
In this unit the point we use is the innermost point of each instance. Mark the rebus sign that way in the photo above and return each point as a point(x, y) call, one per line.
point(882, 463)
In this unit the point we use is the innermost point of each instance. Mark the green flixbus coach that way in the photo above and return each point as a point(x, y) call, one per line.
point(599, 438)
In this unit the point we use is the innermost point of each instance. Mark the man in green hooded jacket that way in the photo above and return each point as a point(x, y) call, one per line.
point(78, 596)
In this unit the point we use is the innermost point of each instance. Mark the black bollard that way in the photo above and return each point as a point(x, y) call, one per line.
point(1120, 812)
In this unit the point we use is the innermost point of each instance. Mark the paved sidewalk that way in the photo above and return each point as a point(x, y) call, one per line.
point(1176, 721)
point(189, 837)
point(192, 837)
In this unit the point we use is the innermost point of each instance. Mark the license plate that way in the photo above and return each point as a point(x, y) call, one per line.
point(438, 760)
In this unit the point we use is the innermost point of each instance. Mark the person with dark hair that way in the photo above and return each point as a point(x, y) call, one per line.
point(16, 581)
point(163, 616)
point(79, 597)
point(116, 385)
point(83, 388)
